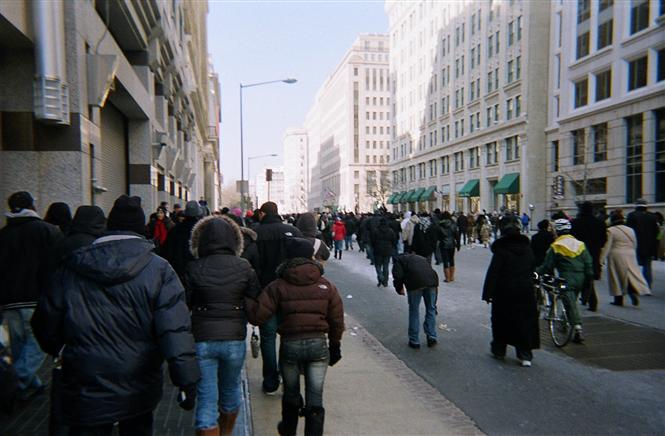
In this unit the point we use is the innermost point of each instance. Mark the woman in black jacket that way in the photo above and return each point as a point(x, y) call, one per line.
point(217, 282)
point(509, 287)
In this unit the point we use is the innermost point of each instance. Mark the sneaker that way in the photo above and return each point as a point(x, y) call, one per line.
point(431, 342)
point(271, 393)
point(526, 363)
point(414, 345)
point(578, 338)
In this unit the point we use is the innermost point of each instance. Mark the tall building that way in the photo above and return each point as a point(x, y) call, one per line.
point(470, 79)
point(348, 131)
point(606, 111)
point(295, 170)
point(106, 98)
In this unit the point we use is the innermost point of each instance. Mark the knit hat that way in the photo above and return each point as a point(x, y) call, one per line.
point(298, 247)
point(562, 225)
point(127, 214)
point(192, 209)
point(269, 208)
point(236, 211)
point(20, 200)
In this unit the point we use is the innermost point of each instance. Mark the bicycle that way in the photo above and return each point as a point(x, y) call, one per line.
point(552, 303)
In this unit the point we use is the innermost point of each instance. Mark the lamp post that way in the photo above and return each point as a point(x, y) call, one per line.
point(242, 149)
point(249, 161)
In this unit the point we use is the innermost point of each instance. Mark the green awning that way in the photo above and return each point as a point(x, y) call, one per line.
point(391, 198)
point(509, 184)
point(394, 198)
point(406, 196)
point(428, 194)
point(470, 189)
point(398, 197)
point(416, 194)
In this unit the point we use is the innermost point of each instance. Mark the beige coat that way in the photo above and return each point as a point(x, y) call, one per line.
point(620, 254)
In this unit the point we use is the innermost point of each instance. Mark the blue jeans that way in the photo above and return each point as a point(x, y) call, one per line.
point(645, 263)
point(349, 242)
point(339, 245)
point(268, 333)
point(311, 356)
point(382, 265)
point(221, 363)
point(429, 295)
point(28, 357)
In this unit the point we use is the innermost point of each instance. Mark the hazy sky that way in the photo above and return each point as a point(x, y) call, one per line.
point(257, 41)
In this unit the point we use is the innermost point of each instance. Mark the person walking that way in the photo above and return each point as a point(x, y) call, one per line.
point(59, 215)
point(471, 229)
point(407, 230)
point(449, 240)
point(351, 226)
point(573, 262)
point(339, 236)
point(114, 312)
point(176, 249)
point(217, 282)
point(307, 225)
point(25, 246)
point(270, 237)
point(309, 308)
point(541, 241)
point(590, 230)
point(424, 238)
point(525, 222)
point(619, 253)
point(158, 228)
point(89, 223)
point(645, 225)
point(421, 281)
point(508, 288)
point(383, 243)
point(462, 225)
point(484, 230)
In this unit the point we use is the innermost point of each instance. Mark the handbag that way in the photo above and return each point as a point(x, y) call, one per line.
point(254, 344)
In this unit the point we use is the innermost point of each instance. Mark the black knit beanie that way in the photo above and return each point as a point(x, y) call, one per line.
point(298, 247)
point(127, 215)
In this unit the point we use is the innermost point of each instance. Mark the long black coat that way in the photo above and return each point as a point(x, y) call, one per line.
point(592, 231)
point(119, 310)
point(509, 286)
point(540, 243)
point(270, 242)
point(383, 240)
point(645, 225)
point(176, 249)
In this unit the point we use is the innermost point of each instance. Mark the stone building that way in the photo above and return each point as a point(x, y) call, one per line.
point(100, 98)
point(470, 79)
point(296, 166)
point(606, 111)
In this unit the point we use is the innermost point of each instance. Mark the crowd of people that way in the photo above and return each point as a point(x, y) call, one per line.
point(111, 297)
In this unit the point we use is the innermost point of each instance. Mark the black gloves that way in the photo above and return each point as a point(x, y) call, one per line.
point(335, 353)
point(187, 397)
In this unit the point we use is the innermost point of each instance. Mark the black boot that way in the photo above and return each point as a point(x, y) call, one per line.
point(314, 418)
point(618, 300)
point(340, 254)
point(289, 423)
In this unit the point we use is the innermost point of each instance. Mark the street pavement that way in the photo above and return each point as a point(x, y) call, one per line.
point(560, 394)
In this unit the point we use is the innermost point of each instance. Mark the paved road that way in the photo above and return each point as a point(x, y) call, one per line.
point(558, 395)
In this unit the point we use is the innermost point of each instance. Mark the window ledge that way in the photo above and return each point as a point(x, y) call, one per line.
point(514, 84)
point(642, 34)
point(590, 57)
point(494, 93)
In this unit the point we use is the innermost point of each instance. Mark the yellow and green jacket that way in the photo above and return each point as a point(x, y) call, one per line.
point(572, 261)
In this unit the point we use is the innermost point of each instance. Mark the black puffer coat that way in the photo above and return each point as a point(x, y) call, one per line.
point(218, 281)
point(383, 239)
point(593, 232)
point(509, 287)
point(119, 310)
point(270, 242)
point(88, 224)
point(414, 272)
point(250, 251)
point(448, 235)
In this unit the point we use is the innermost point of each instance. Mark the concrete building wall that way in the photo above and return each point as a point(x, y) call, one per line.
point(598, 172)
point(295, 170)
point(455, 98)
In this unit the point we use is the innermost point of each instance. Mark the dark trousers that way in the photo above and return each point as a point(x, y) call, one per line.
point(268, 333)
point(645, 263)
point(138, 426)
point(499, 349)
point(437, 253)
point(589, 296)
point(462, 233)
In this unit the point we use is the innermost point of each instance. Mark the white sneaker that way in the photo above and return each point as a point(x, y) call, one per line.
point(526, 363)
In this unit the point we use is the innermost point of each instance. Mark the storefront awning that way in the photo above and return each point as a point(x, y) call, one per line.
point(415, 196)
point(509, 184)
point(406, 196)
point(470, 189)
point(428, 194)
point(392, 198)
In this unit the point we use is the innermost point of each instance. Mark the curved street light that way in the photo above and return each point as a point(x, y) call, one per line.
point(242, 149)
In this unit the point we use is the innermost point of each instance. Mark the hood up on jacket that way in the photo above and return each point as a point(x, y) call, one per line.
point(515, 243)
point(407, 217)
point(89, 220)
point(216, 235)
point(112, 259)
point(300, 271)
point(249, 233)
point(307, 225)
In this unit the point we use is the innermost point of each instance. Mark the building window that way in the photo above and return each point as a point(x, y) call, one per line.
point(474, 157)
point(579, 146)
point(518, 106)
point(633, 158)
point(593, 186)
point(605, 30)
point(518, 67)
point(599, 142)
point(603, 85)
point(511, 33)
point(489, 82)
point(512, 148)
point(660, 73)
point(490, 46)
point(459, 161)
point(637, 73)
point(492, 153)
point(445, 165)
point(509, 109)
point(639, 15)
point(660, 154)
point(583, 10)
point(555, 155)
point(582, 44)
point(509, 72)
point(581, 92)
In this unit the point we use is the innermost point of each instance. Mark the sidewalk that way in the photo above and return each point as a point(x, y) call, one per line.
point(369, 392)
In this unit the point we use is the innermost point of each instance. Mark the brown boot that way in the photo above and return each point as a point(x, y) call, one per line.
point(226, 422)
point(208, 432)
point(446, 274)
point(452, 274)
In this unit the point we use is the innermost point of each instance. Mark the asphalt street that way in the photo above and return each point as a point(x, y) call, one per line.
point(557, 395)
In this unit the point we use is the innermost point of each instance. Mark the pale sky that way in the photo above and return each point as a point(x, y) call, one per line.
point(257, 41)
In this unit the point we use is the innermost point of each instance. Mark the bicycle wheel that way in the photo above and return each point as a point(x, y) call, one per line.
point(561, 330)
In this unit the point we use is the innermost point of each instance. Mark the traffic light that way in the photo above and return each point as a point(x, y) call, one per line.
point(268, 175)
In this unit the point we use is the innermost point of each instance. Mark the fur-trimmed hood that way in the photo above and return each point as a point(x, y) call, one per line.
point(216, 235)
point(251, 234)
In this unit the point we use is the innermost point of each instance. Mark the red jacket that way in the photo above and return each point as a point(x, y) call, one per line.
point(340, 231)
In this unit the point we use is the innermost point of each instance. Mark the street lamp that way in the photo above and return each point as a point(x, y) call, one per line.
point(242, 149)
point(249, 161)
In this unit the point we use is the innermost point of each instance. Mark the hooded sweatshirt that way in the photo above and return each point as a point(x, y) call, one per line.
point(307, 225)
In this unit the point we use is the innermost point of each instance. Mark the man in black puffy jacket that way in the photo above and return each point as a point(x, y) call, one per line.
point(115, 310)
point(270, 242)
